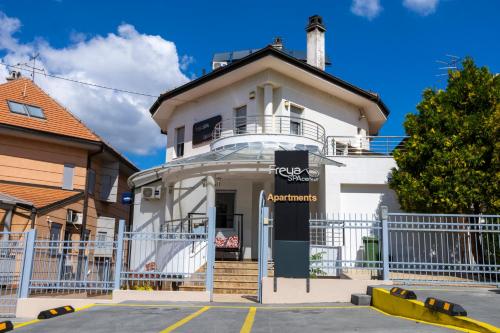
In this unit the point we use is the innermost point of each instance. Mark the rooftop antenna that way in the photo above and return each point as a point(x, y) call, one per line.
point(451, 63)
point(33, 58)
point(31, 68)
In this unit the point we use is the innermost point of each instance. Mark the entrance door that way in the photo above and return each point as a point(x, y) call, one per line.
point(225, 201)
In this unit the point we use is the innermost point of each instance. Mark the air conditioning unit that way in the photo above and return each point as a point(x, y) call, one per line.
point(74, 217)
point(151, 192)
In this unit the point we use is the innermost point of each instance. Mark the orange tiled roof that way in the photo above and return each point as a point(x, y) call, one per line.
point(39, 196)
point(57, 120)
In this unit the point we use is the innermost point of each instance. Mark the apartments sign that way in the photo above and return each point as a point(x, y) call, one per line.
point(295, 174)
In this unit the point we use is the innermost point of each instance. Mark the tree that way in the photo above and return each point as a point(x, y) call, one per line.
point(450, 163)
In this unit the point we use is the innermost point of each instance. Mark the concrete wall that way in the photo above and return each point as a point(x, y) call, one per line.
point(359, 187)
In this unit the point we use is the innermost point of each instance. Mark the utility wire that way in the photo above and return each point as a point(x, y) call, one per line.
point(38, 71)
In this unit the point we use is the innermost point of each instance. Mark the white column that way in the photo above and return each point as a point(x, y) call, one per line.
point(210, 191)
point(268, 109)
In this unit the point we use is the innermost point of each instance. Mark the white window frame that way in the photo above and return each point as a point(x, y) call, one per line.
point(180, 146)
point(296, 127)
point(240, 121)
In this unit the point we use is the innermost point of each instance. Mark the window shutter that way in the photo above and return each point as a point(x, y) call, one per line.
point(68, 173)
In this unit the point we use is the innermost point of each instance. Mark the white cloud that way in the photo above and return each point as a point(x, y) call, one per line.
point(127, 60)
point(366, 8)
point(422, 7)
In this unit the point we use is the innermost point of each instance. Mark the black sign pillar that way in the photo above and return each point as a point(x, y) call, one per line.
point(291, 218)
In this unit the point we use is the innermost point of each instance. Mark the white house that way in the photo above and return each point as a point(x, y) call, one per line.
point(224, 127)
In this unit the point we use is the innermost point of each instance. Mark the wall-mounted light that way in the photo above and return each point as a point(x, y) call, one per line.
point(251, 94)
point(287, 104)
point(361, 115)
point(204, 182)
point(218, 181)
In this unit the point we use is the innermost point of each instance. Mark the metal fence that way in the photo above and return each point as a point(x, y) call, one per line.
point(172, 259)
point(408, 248)
point(456, 249)
point(12, 248)
point(79, 268)
point(345, 244)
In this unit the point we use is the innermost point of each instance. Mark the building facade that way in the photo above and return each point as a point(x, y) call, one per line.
point(56, 175)
point(224, 127)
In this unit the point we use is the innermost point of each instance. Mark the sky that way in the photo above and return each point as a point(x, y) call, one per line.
point(387, 46)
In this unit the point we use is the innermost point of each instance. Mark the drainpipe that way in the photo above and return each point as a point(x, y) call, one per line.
point(33, 218)
point(81, 251)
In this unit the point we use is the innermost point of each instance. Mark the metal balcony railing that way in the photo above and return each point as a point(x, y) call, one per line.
point(363, 145)
point(283, 125)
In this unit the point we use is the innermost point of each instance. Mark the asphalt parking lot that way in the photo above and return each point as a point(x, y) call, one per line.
point(225, 318)
point(480, 303)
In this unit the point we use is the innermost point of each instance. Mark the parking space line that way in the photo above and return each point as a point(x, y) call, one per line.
point(425, 322)
point(185, 320)
point(306, 307)
point(26, 323)
point(247, 325)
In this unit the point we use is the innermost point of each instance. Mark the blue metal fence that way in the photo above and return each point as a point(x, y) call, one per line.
point(12, 255)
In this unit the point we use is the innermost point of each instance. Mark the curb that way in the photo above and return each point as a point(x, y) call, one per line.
point(413, 309)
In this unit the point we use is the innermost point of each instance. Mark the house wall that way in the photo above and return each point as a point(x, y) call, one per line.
point(359, 187)
point(335, 115)
point(34, 162)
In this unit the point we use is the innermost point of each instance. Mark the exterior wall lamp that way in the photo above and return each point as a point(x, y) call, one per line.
point(218, 181)
point(362, 115)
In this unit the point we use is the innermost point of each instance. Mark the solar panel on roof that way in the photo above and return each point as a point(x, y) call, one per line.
point(230, 57)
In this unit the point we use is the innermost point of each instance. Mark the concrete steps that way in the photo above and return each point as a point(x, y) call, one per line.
point(231, 277)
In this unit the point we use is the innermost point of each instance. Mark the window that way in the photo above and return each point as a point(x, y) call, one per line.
point(27, 110)
point(55, 237)
point(179, 142)
point(240, 119)
point(68, 173)
point(17, 108)
point(295, 122)
point(101, 239)
point(91, 182)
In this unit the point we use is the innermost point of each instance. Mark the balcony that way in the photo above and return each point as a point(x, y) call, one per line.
point(288, 131)
point(375, 146)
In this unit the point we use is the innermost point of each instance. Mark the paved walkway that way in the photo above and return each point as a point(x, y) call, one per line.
point(227, 318)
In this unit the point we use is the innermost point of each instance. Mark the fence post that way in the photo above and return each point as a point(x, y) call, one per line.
point(119, 254)
point(384, 211)
point(29, 252)
point(209, 279)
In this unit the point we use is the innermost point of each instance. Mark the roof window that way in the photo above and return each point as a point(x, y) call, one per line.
point(27, 110)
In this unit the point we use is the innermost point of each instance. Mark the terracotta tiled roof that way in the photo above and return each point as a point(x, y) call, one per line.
point(40, 196)
point(57, 120)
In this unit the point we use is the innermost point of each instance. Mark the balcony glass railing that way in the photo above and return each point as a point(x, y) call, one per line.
point(269, 125)
point(363, 145)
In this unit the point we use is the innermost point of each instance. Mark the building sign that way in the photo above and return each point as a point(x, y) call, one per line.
point(291, 213)
point(202, 130)
point(127, 198)
point(291, 198)
point(297, 174)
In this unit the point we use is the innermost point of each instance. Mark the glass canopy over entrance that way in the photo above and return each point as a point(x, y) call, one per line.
point(248, 153)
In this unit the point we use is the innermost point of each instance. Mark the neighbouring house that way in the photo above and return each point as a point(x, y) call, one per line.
point(224, 127)
point(56, 175)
